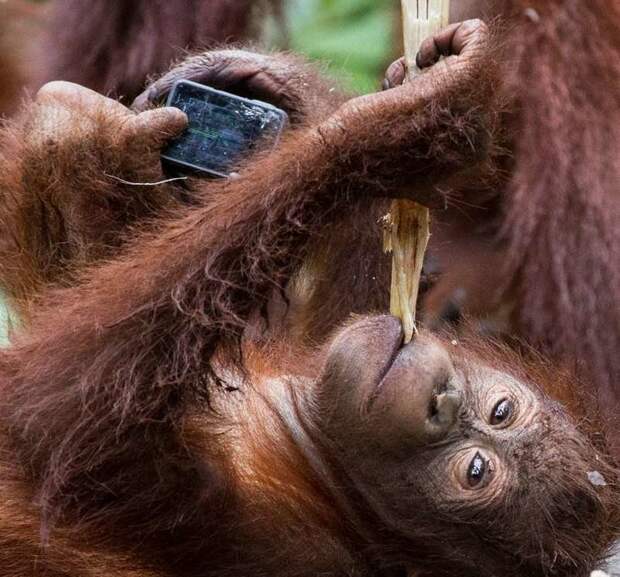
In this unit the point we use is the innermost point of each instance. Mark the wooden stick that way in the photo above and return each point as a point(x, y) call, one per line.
point(408, 231)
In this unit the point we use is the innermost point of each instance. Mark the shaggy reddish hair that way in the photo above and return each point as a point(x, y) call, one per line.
point(562, 211)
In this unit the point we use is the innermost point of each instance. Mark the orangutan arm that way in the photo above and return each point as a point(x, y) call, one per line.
point(68, 192)
point(145, 337)
point(67, 204)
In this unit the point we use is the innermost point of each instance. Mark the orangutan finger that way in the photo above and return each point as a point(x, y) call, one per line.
point(452, 40)
point(433, 47)
point(466, 36)
point(396, 74)
point(155, 127)
point(73, 95)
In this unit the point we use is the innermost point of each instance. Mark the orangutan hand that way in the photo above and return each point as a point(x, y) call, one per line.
point(91, 169)
point(283, 80)
point(75, 125)
point(459, 39)
point(418, 138)
point(464, 45)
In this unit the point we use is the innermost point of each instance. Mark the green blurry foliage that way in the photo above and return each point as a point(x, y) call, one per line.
point(4, 323)
point(354, 37)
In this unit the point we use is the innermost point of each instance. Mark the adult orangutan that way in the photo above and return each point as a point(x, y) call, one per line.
point(113, 47)
point(153, 426)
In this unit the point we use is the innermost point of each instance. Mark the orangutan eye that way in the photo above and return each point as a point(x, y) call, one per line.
point(502, 412)
point(476, 471)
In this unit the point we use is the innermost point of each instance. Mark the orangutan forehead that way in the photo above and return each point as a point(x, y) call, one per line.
point(486, 378)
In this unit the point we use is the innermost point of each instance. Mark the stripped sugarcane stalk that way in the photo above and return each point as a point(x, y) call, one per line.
point(407, 231)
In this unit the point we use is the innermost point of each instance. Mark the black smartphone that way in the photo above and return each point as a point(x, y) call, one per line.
point(222, 129)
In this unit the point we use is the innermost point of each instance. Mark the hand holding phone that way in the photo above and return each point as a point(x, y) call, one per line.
point(222, 129)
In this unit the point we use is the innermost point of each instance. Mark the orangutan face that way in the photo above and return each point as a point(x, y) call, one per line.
point(434, 440)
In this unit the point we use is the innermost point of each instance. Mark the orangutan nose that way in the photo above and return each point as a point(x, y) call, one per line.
point(418, 399)
point(443, 412)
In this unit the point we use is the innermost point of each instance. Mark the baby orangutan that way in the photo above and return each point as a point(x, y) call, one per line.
point(159, 432)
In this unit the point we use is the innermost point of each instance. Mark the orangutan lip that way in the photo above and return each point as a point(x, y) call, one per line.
point(397, 347)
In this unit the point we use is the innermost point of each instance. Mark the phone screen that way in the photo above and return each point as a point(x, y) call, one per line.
point(222, 128)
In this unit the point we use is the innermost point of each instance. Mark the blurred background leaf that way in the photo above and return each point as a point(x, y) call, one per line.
point(354, 37)
point(3, 324)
